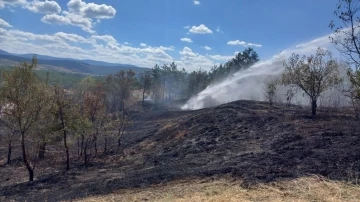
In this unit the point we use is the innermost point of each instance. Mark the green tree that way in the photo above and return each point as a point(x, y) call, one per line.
point(27, 98)
point(145, 84)
point(66, 117)
point(270, 90)
point(122, 82)
point(313, 74)
point(92, 110)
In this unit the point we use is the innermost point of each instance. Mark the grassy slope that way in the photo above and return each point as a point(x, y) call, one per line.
point(303, 189)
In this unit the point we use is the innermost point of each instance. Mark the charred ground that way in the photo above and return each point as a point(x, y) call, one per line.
point(243, 139)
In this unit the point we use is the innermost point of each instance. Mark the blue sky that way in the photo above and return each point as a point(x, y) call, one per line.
point(141, 32)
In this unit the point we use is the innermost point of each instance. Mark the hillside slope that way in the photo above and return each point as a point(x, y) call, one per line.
point(242, 139)
point(68, 65)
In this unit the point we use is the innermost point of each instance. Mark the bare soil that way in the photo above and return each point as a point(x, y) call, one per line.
point(246, 140)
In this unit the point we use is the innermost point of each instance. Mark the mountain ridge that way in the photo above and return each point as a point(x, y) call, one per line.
point(74, 65)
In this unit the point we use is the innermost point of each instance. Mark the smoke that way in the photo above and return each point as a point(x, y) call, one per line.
point(249, 84)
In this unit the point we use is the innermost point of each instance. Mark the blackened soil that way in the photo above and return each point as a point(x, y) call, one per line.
point(245, 139)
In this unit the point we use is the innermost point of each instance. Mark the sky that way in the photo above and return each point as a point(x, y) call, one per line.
point(193, 34)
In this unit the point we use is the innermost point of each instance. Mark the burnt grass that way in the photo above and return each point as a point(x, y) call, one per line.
point(243, 139)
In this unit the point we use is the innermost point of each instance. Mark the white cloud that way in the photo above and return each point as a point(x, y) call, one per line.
point(187, 52)
point(44, 7)
point(69, 45)
point(254, 44)
point(201, 29)
point(91, 10)
point(12, 3)
point(221, 57)
point(105, 38)
point(237, 42)
point(126, 43)
point(187, 27)
point(186, 40)
point(55, 19)
point(81, 14)
point(193, 61)
point(76, 5)
point(207, 48)
point(171, 48)
point(105, 48)
point(72, 37)
point(69, 19)
point(242, 43)
point(3, 23)
point(36, 6)
point(197, 2)
point(143, 45)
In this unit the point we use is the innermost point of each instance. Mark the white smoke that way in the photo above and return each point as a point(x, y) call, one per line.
point(249, 84)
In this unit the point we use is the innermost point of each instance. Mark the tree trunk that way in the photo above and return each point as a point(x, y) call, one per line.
point(25, 160)
point(143, 98)
point(123, 108)
point(82, 145)
point(105, 145)
point(61, 113)
point(9, 152)
point(119, 142)
point(85, 155)
point(42, 148)
point(66, 151)
point(313, 107)
point(119, 137)
point(95, 141)
point(78, 146)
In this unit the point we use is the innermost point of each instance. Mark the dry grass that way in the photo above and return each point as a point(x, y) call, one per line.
point(312, 188)
point(167, 126)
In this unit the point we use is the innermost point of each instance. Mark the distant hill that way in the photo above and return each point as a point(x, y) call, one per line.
point(72, 65)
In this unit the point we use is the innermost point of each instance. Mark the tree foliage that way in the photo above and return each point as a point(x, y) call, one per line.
point(25, 98)
point(313, 74)
point(170, 83)
point(346, 39)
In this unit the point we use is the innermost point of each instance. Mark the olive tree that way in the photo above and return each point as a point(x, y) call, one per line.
point(312, 74)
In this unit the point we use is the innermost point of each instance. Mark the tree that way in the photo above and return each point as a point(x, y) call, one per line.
point(123, 83)
point(83, 123)
point(145, 84)
point(353, 92)
point(157, 85)
point(95, 110)
point(270, 90)
point(346, 39)
point(91, 111)
point(65, 117)
point(313, 75)
point(10, 132)
point(27, 97)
